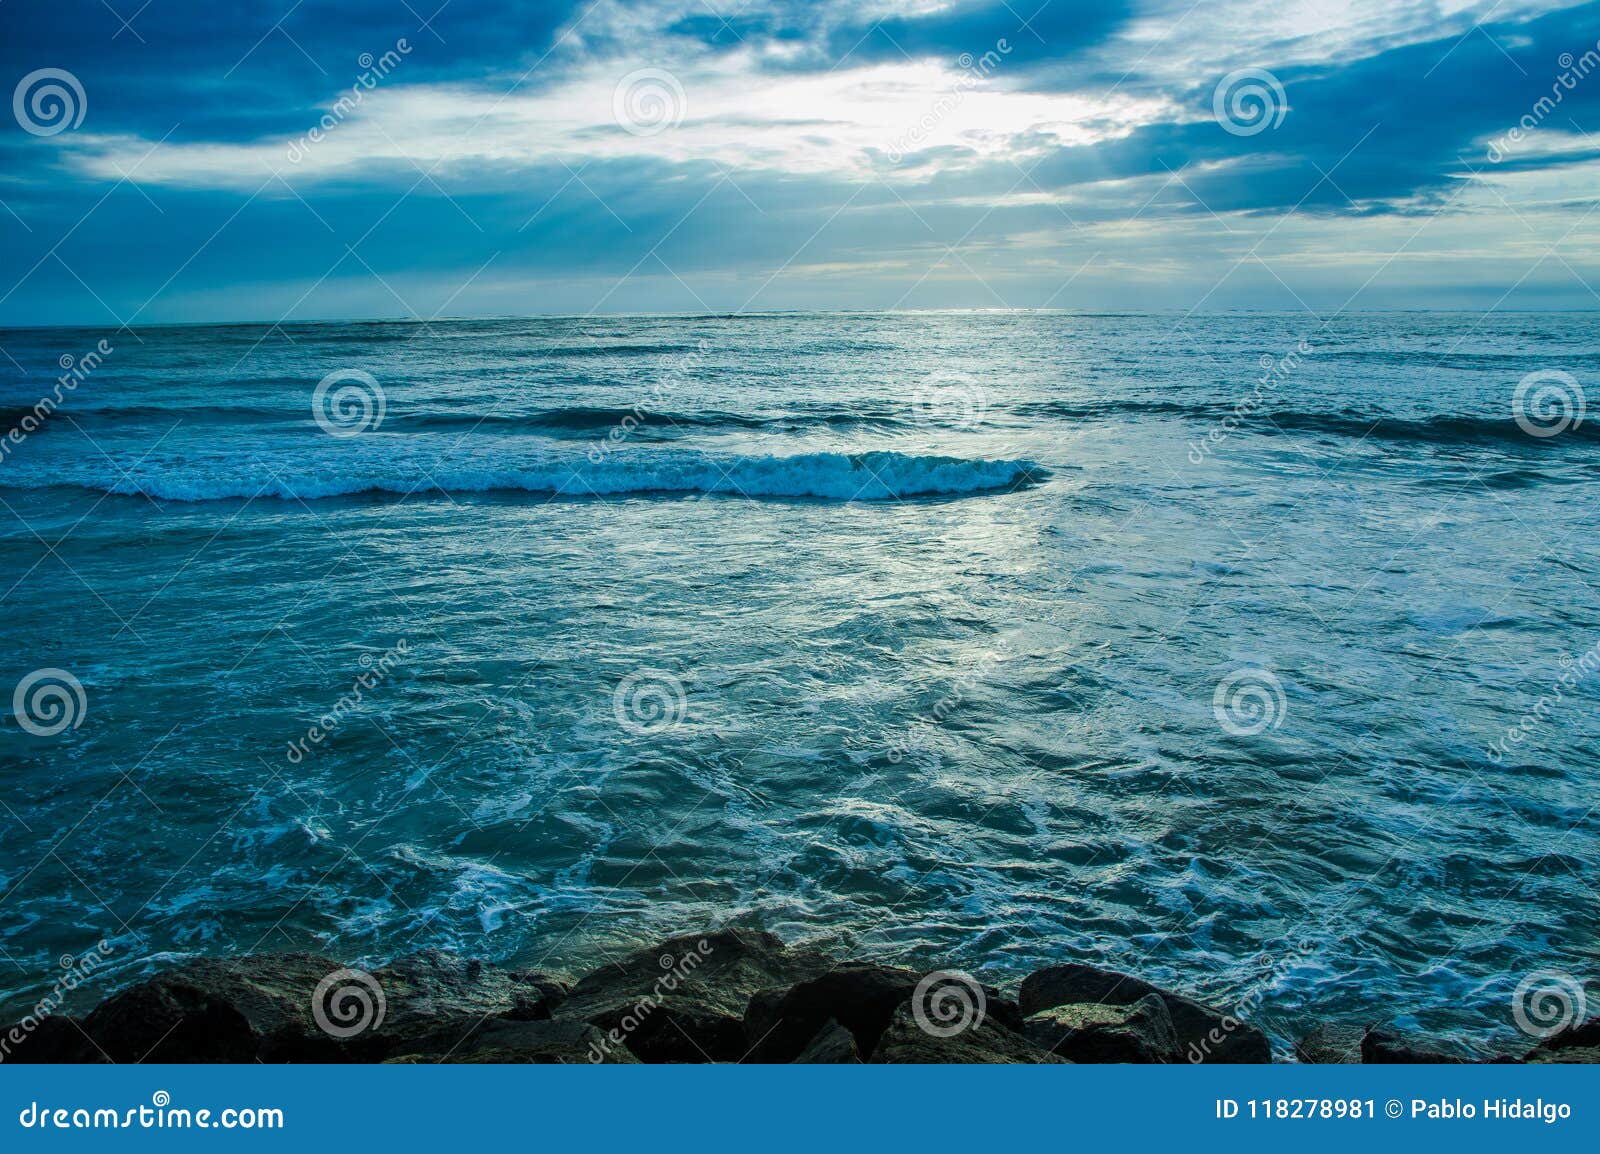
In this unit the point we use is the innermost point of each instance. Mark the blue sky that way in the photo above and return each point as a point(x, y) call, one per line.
point(397, 158)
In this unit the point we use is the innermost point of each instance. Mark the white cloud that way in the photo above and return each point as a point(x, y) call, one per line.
point(719, 108)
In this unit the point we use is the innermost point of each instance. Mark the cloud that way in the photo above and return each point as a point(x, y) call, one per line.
point(807, 153)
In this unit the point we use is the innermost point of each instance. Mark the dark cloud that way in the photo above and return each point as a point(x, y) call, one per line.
point(1389, 131)
point(225, 71)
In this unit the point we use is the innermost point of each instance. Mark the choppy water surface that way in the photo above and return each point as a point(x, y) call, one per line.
point(948, 597)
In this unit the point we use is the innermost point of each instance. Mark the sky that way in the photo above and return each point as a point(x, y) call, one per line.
point(172, 161)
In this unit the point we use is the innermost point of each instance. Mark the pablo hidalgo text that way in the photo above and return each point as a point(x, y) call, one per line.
point(1511, 1109)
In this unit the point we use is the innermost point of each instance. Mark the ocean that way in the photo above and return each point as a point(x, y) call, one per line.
point(1254, 654)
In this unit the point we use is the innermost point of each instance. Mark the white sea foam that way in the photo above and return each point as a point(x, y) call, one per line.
point(874, 476)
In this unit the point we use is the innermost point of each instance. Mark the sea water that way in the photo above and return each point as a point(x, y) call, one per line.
point(1247, 653)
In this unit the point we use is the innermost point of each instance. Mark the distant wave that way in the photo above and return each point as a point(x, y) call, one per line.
point(1443, 430)
point(579, 419)
point(877, 476)
point(584, 419)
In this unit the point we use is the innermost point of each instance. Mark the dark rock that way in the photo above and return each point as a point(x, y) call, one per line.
point(833, 1045)
point(52, 1038)
point(1205, 1034)
point(260, 1008)
point(861, 997)
point(985, 1043)
point(208, 1010)
point(432, 987)
point(1330, 1044)
point(1382, 1046)
point(1579, 1043)
point(684, 1000)
point(507, 1040)
point(1092, 1032)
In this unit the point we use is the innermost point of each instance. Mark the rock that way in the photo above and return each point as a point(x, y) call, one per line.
point(260, 1008)
point(986, 1043)
point(1382, 1046)
point(511, 1041)
point(426, 989)
point(1330, 1044)
point(1205, 1034)
point(208, 1010)
point(684, 1000)
point(833, 1045)
point(1580, 1043)
point(1575, 1044)
point(52, 1038)
point(1091, 1032)
point(861, 997)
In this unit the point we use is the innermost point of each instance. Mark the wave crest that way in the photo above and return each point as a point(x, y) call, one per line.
point(875, 476)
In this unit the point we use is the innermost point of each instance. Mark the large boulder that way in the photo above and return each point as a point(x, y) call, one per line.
point(505, 1040)
point(1092, 1032)
point(209, 1010)
point(1204, 1033)
point(684, 999)
point(986, 1042)
point(1579, 1043)
point(303, 1007)
point(861, 997)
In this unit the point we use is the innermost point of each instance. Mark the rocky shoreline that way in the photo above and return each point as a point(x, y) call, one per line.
point(722, 996)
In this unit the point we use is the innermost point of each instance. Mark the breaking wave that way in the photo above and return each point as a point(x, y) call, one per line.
point(875, 476)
